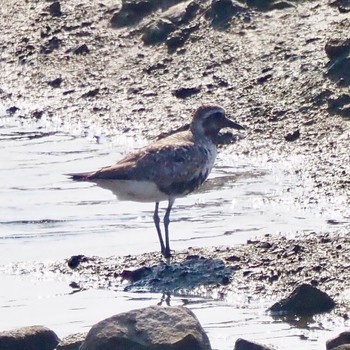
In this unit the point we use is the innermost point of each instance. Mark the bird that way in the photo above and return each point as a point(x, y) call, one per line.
point(167, 169)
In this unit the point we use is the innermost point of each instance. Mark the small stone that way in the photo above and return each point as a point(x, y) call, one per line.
point(52, 44)
point(55, 9)
point(233, 258)
point(91, 93)
point(186, 92)
point(264, 78)
point(56, 83)
point(265, 245)
point(75, 260)
point(155, 67)
point(135, 275)
point(295, 135)
point(81, 50)
point(37, 114)
point(12, 110)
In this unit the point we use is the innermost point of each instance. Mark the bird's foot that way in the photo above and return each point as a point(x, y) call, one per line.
point(167, 253)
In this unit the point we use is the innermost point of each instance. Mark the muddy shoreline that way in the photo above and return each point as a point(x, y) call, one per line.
point(262, 269)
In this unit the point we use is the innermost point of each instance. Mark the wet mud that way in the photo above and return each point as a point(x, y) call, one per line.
point(280, 68)
point(269, 269)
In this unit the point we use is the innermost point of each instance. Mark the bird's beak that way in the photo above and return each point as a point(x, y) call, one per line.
point(231, 124)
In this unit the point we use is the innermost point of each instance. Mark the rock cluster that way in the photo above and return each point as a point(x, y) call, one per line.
point(152, 328)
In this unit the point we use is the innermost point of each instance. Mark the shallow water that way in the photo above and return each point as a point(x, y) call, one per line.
point(45, 216)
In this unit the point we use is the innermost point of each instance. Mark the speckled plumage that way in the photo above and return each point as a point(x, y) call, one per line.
point(168, 168)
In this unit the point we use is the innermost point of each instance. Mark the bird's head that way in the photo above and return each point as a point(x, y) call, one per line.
point(209, 120)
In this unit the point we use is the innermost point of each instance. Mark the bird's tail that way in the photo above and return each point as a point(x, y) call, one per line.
point(80, 176)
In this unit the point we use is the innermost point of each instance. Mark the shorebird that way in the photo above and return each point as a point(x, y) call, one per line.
point(166, 169)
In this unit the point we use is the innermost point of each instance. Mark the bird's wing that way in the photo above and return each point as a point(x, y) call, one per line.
point(161, 162)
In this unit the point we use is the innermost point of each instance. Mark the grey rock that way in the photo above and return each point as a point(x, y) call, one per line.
point(304, 300)
point(151, 328)
point(29, 338)
point(242, 344)
point(342, 338)
point(157, 32)
point(72, 342)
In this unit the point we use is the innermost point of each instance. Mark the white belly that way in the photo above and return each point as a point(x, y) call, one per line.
point(131, 190)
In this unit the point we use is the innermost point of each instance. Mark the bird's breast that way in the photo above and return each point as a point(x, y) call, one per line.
point(195, 179)
point(182, 188)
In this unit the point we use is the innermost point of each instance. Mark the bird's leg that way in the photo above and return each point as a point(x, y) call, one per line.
point(166, 226)
point(156, 222)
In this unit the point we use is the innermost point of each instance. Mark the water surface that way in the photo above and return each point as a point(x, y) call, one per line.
point(45, 216)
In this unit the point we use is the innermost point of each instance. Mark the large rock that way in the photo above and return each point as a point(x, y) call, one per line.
point(304, 300)
point(341, 339)
point(151, 328)
point(29, 338)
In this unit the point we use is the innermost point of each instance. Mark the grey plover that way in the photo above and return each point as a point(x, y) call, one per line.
point(169, 168)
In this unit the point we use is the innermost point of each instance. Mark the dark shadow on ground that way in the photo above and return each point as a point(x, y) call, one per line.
point(177, 277)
